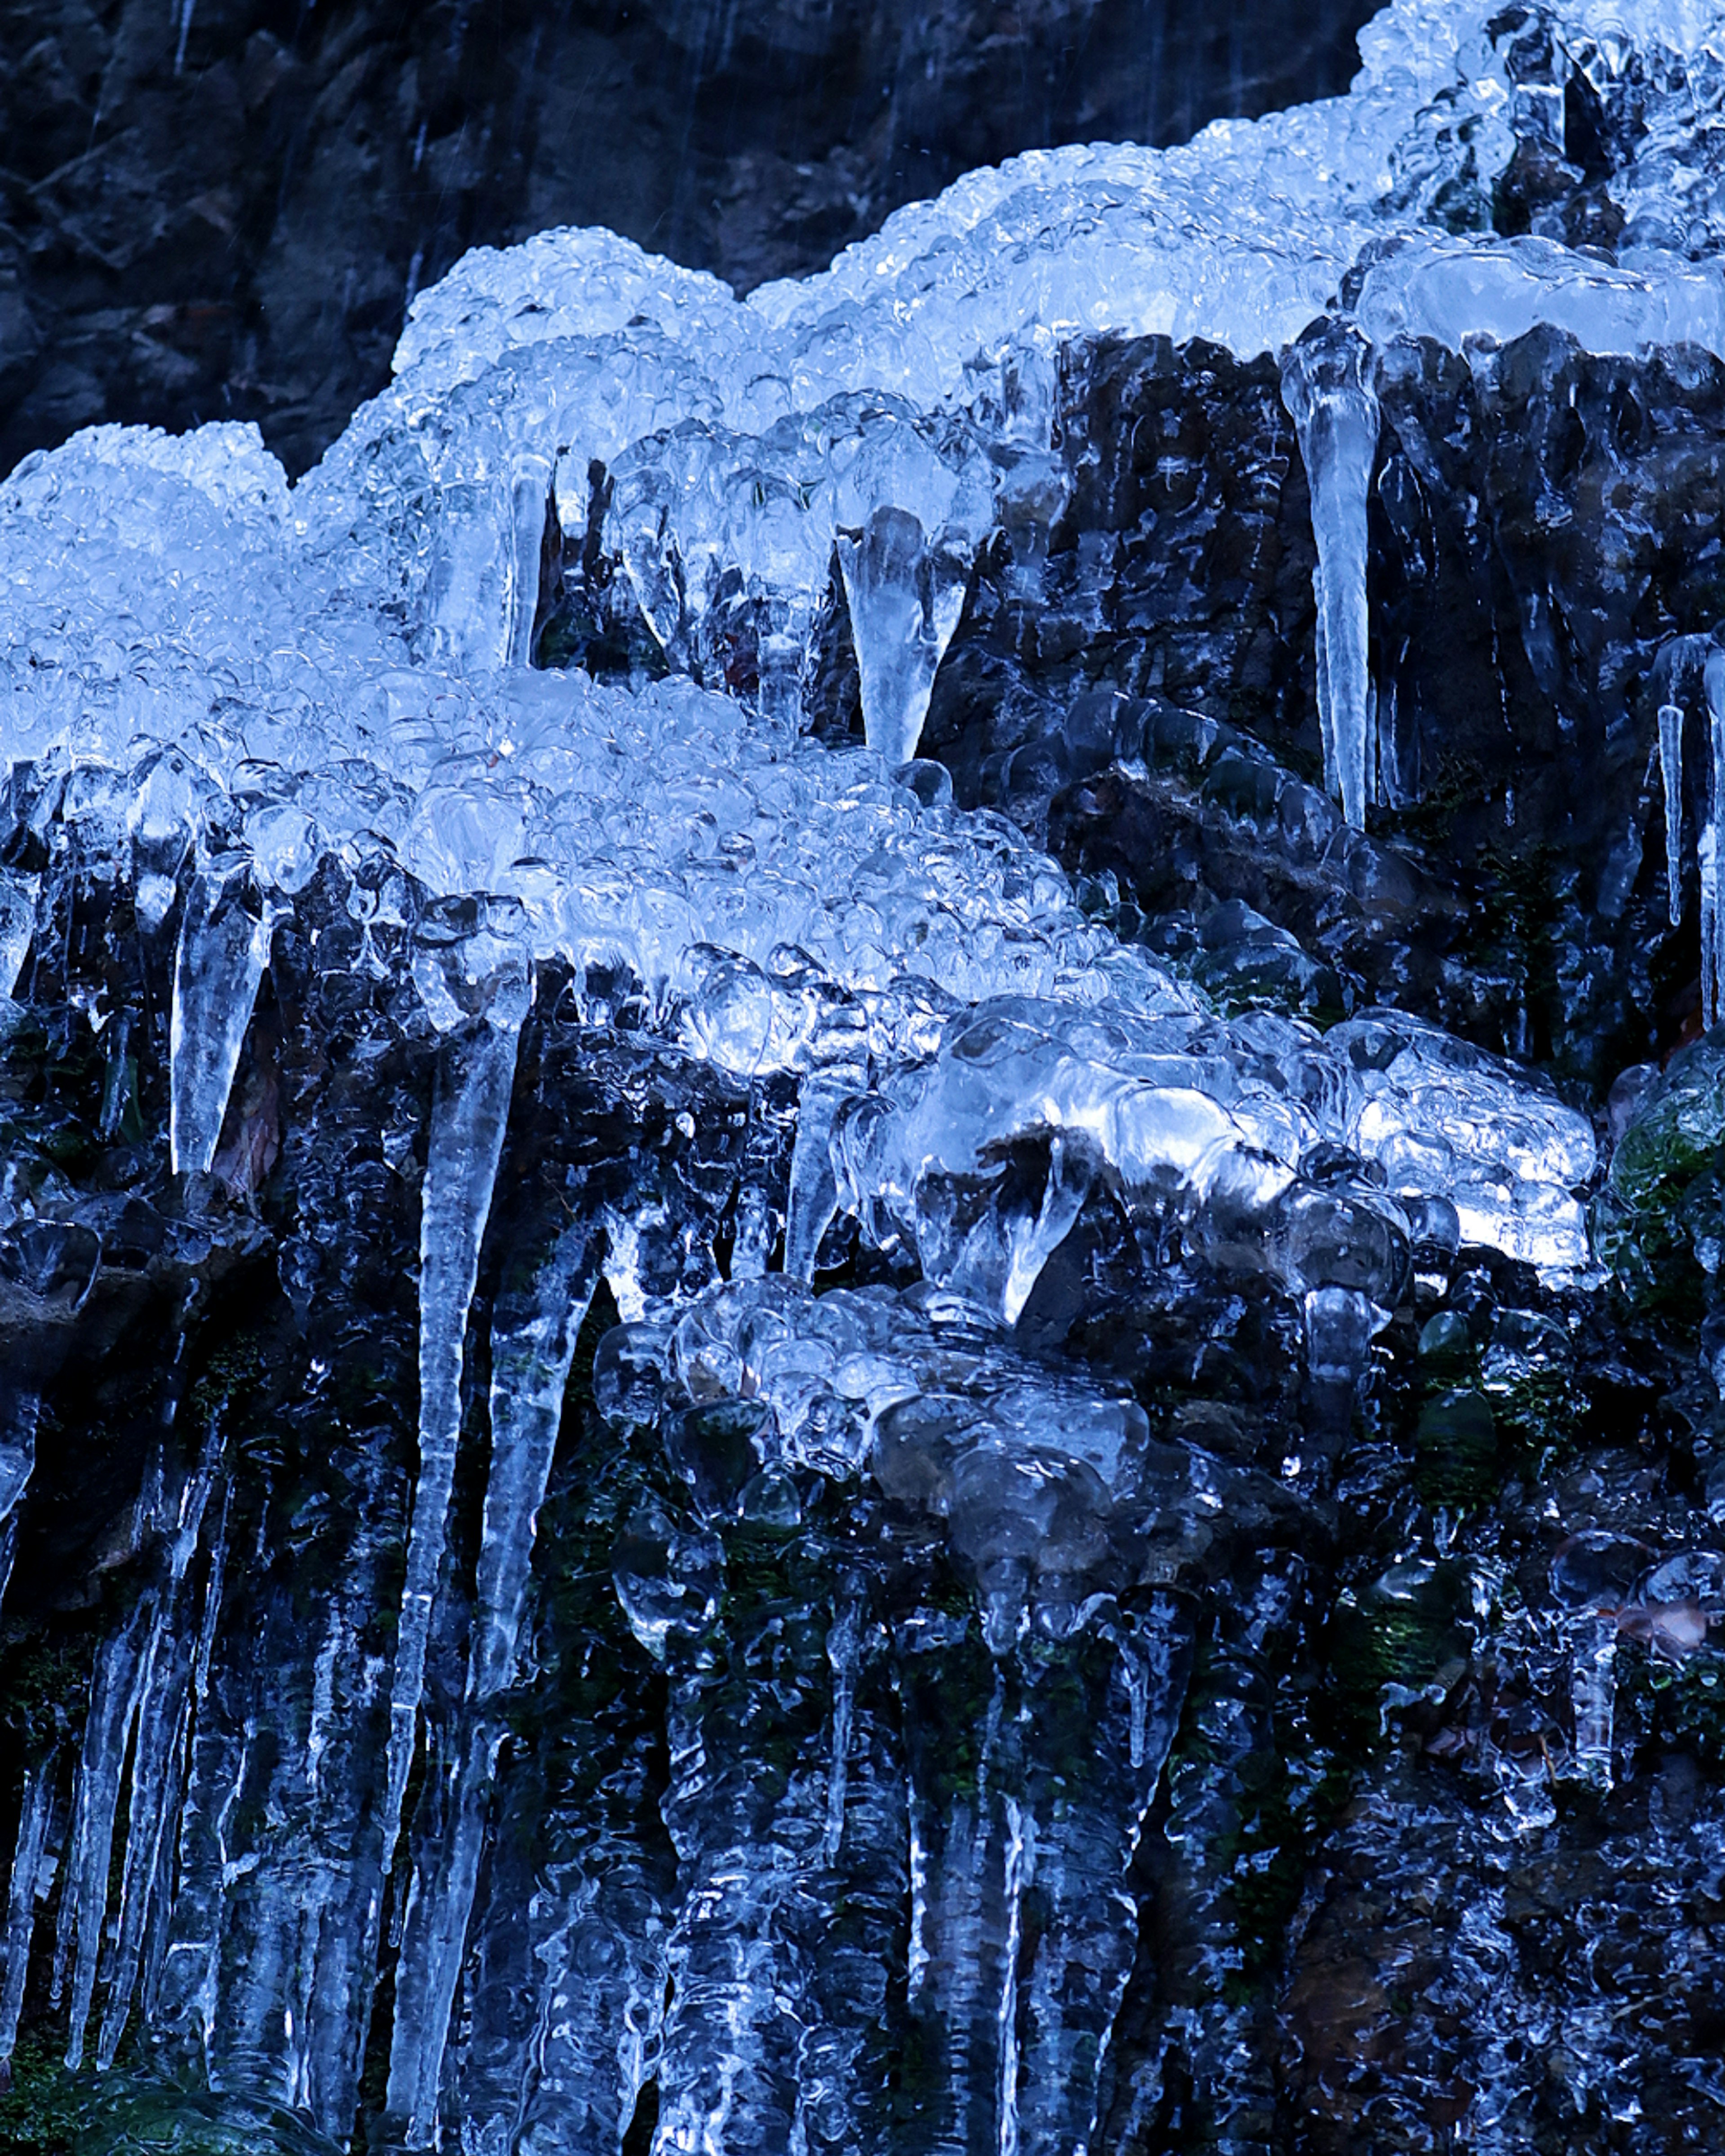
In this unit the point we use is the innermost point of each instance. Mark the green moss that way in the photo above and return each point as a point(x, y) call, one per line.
point(42, 2110)
point(45, 1686)
point(1676, 1133)
point(1676, 1706)
point(1455, 1448)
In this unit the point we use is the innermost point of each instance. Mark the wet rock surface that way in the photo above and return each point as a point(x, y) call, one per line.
point(1424, 1659)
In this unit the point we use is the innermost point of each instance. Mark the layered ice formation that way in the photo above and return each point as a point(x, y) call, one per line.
point(226, 695)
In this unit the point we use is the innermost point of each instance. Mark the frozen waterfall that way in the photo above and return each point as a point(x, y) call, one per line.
point(787, 1268)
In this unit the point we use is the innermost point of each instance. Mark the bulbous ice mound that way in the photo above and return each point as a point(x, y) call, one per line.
point(219, 681)
point(1042, 1480)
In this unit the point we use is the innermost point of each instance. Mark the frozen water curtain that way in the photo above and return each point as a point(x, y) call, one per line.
point(825, 1276)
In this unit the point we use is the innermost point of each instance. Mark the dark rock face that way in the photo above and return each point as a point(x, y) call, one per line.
point(1387, 1802)
point(222, 210)
point(1542, 527)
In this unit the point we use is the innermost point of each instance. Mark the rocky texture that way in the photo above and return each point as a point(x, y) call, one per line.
point(220, 208)
point(1426, 1728)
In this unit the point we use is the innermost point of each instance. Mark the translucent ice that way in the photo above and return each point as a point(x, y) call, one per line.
point(1671, 769)
point(533, 1339)
point(223, 949)
point(1326, 386)
point(469, 1117)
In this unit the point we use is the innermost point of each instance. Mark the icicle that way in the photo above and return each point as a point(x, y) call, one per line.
point(158, 1756)
point(756, 1233)
point(812, 1202)
point(1593, 1690)
point(1671, 766)
point(222, 955)
point(905, 596)
point(841, 1653)
point(1326, 388)
point(531, 1350)
point(469, 1116)
point(531, 503)
point(29, 1886)
point(179, 1979)
point(1713, 958)
point(122, 1671)
point(1020, 1866)
point(17, 925)
point(18, 1410)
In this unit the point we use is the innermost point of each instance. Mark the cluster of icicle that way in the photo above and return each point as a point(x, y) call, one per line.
point(217, 682)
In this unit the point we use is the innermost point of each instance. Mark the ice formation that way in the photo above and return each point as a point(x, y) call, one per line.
point(232, 693)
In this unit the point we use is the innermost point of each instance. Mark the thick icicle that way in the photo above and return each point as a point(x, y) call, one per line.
point(1671, 769)
point(1713, 955)
point(1593, 1696)
point(564, 1995)
point(906, 595)
point(780, 1959)
point(222, 952)
point(17, 925)
point(1014, 2025)
point(469, 1116)
point(533, 1337)
point(1326, 388)
point(812, 1200)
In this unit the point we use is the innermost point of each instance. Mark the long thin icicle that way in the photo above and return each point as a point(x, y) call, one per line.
point(28, 1890)
point(222, 952)
point(122, 1671)
point(533, 1347)
point(1712, 956)
point(18, 1411)
point(1326, 388)
point(158, 1761)
point(1671, 770)
point(469, 1116)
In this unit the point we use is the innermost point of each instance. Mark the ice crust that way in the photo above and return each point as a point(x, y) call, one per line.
point(232, 679)
point(218, 690)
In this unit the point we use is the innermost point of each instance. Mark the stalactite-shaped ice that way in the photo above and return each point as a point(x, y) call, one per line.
point(469, 1116)
point(19, 1408)
point(533, 1336)
point(1326, 386)
point(223, 951)
point(841, 1653)
point(1712, 946)
point(905, 594)
point(812, 1200)
point(1593, 1694)
point(156, 1767)
point(122, 1670)
point(18, 924)
point(30, 1878)
point(1014, 2019)
point(1671, 770)
point(179, 1995)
